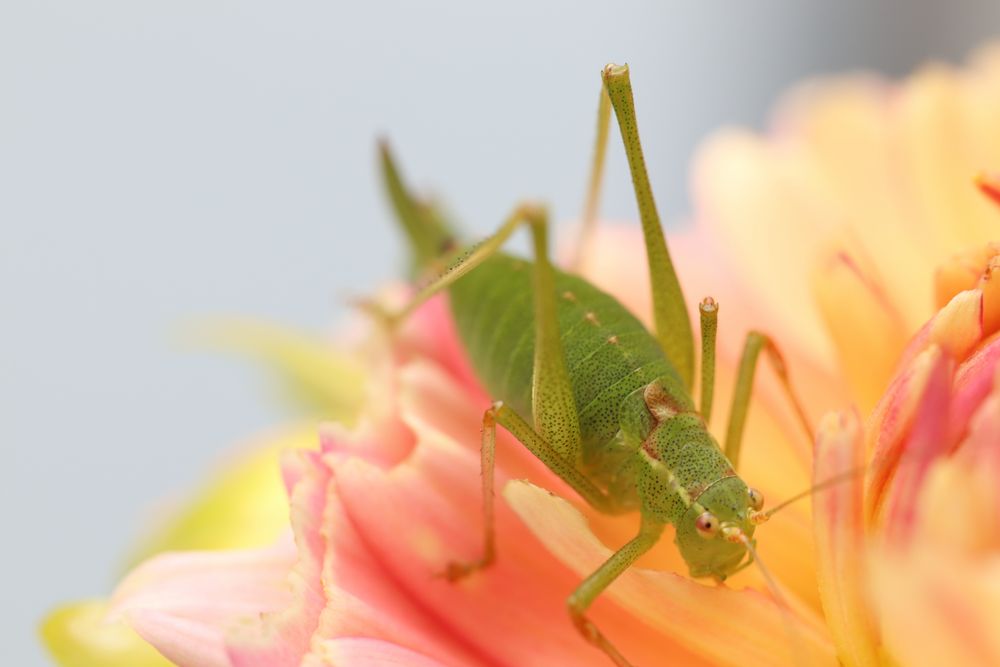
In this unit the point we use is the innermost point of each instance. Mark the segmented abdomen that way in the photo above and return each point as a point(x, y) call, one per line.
point(609, 353)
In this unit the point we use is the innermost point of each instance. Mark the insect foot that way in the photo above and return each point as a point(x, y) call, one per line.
point(594, 636)
point(458, 570)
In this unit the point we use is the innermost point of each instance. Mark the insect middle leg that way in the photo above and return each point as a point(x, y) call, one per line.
point(755, 343)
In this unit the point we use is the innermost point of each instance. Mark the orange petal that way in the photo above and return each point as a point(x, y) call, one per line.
point(962, 271)
point(989, 284)
point(725, 626)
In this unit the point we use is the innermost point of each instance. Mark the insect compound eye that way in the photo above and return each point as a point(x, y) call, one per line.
point(707, 525)
point(756, 499)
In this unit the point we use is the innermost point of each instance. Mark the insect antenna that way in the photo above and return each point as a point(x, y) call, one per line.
point(761, 517)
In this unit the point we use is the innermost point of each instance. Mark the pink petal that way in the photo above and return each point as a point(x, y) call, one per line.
point(283, 637)
point(890, 424)
point(973, 381)
point(430, 334)
point(425, 512)
point(366, 652)
point(184, 603)
point(838, 519)
point(926, 441)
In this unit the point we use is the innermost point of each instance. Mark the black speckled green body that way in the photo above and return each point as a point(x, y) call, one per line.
point(657, 466)
point(609, 353)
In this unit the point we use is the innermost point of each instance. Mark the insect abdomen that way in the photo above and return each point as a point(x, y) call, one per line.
point(609, 353)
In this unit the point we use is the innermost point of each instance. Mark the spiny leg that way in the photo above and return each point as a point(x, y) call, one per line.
point(673, 327)
point(755, 343)
point(590, 205)
point(594, 585)
point(709, 311)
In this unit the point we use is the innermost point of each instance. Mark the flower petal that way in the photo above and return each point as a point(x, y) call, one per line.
point(890, 423)
point(973, 382)
point(868, 342)
point(366, 652)
point(840, 540)
point(925, 442)
point(282, 637)
point(694, 615)
point(183, 603)
point(938, 608)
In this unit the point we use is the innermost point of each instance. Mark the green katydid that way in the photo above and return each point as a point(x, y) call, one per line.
point(580, 382)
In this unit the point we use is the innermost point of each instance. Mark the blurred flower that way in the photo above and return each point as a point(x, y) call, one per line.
point(911, 557)
point(869, 189)
point(241, 505)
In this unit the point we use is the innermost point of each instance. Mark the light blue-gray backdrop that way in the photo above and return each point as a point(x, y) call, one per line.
point(165, 161)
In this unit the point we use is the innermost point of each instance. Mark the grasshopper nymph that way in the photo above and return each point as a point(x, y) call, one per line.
point(604, 403)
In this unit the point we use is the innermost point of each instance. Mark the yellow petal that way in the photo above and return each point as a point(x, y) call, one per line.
point(78, 635)
point(321, 379)
point(962, 271)
point(840, 540)
point(866, 328)
point(243, 505)
point(959, 325)
point(757, 198)
point(937, 607)
point(843, 130)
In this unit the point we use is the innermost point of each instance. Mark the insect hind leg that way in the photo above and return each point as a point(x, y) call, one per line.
point(755, 343)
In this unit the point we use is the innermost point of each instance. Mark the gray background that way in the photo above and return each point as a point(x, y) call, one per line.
point(161, 162)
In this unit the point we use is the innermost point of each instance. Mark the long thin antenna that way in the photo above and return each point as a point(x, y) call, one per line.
point(761, 517)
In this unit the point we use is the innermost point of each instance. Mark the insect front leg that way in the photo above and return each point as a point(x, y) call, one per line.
point(755, 343)
point(594, 585)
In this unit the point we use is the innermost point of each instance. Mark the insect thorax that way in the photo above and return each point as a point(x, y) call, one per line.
point(677, 462)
